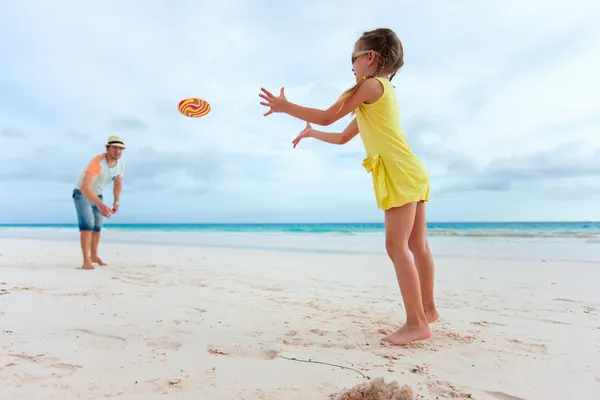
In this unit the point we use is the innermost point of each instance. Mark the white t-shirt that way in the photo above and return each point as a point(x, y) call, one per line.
point(98, 167)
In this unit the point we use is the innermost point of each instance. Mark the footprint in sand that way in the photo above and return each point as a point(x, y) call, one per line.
point(275, 288)
point(40, 366)
point(140, 279)
point(35, 359)
point(457, 337)
point(482, 308)
point(390, 355)
point(503, 396)
point(193, 310)
point(486, 323)
point(258, 352)
point(99, 340)
point(564, 300)
point(420, 369)
point(94, 294)
point(197, 283)
point(291, 339)
point(26, 289)
point(65, 369)
point(589, 310)
point(387, 330)
point(446, 389)
point(71, 367)
point(163, 344)
point(297, 342)
point(530, 347)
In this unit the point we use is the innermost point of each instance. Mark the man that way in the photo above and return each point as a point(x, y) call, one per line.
point(100, 171)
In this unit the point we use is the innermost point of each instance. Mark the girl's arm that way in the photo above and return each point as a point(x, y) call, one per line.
point(369, 91)
point(336, 138)
point(333, 138)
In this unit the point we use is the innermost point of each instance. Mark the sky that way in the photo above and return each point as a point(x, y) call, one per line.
point(500, 99)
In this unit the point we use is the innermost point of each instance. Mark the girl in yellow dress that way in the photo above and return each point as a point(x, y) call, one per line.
point(400, 180)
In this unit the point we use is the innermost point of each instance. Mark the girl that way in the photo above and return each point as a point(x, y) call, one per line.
point(400, 180)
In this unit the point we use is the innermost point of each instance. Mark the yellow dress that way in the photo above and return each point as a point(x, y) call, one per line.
point(398, 175)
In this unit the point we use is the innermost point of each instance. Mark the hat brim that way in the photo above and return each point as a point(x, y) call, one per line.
point(121, 145)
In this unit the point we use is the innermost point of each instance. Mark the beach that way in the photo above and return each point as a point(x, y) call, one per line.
point(237, 316)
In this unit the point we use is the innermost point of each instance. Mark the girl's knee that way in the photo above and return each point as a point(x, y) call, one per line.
point(396, 247)
point(418, 246)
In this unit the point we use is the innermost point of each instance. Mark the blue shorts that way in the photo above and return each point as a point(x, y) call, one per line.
point(88, 214)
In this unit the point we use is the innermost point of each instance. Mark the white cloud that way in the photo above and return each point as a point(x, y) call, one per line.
point(482, 80)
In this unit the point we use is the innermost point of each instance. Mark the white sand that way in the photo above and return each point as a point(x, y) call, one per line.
point(212, 323)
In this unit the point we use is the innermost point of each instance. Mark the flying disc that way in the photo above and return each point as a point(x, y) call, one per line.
point(194, 107)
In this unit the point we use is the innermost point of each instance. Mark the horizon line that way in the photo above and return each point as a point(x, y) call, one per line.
point(303, 223)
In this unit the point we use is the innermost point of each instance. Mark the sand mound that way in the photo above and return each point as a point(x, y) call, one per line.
point(377, 389)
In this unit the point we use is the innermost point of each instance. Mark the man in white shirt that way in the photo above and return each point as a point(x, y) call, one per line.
point(87, 195)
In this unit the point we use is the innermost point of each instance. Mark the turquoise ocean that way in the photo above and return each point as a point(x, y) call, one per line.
point(540, 241)
point(498, 229)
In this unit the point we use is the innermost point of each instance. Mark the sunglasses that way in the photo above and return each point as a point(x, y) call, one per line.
point(360, 53)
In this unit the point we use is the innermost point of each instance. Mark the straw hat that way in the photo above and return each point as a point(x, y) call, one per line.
point(115, 141)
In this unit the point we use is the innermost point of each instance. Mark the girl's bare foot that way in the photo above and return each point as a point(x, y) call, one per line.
point(98, 260)
point(432, 315)
point(408, 334)
point(87, 265)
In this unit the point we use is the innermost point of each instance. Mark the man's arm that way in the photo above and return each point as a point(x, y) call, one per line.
point(92, 172)
point(117, 187)
point(86, 189)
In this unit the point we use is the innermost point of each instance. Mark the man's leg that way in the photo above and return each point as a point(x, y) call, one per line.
point(96, 236)
point(85, 237)
point(85, 220)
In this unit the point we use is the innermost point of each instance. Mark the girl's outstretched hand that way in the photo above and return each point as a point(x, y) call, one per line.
point(276, 104)
point(306, 132)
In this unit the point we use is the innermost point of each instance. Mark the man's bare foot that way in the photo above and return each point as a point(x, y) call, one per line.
point(432, 315)
point(98, 260)
point(408, 334)
point(87, 265)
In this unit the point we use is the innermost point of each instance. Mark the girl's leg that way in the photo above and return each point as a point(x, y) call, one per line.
point(418, 245)
point(398, 225)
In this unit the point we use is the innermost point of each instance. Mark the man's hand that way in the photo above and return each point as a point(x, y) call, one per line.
point(115, 207)
point(105, 210)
